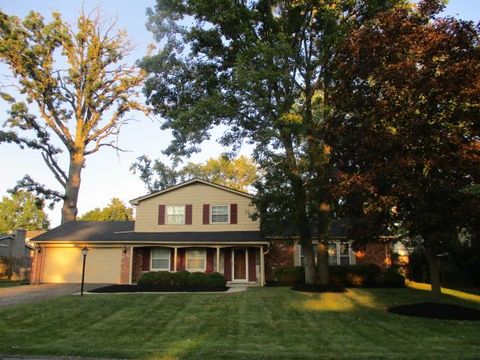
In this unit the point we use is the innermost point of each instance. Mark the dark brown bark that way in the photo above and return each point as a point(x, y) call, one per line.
point(69, 209)
point(301, 218)
point(322, 263)
point(434, 271)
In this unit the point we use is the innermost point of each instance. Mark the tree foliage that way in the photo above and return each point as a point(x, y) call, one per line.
point(115, 211)
point(263, 70)
point(22, 210)
point(239, 173)
point(80, 85)
point(405, 134)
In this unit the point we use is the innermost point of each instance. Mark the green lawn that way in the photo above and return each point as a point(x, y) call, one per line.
point(261, 323)
point(9, 283)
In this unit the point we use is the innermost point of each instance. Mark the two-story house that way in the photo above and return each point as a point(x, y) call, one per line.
point(193, 226)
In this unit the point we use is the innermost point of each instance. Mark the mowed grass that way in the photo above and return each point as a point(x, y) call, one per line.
point(261, 323)
point(9, 283)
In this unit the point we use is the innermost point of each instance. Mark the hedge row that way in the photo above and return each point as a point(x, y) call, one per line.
point(348, 275)
point(183, 279)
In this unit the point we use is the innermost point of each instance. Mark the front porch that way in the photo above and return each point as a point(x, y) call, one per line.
point(239, 264)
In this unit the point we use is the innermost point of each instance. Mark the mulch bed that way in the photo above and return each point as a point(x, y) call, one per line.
point(154, 288)
point(437, 311)
point(319, 288)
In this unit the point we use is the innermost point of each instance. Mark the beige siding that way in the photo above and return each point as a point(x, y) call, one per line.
point(196, 194)
point(64, 265)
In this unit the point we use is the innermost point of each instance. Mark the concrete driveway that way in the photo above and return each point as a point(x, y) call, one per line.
point(31, 293)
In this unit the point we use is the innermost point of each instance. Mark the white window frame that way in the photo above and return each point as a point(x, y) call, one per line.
point(166, 214)
point(352, 258)
point(302, 256)
point(169, 259)
point(220, 222)
point(187, 255)
point(351, 253)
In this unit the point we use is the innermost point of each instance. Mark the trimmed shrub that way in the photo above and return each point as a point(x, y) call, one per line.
point(338, 274)
point(355, 275)
point(392, 278)
point(182, 280)
point(161, 278)
point(290, 275)
point(216, 280)
point(197, 279)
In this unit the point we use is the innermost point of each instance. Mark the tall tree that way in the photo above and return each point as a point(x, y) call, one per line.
point(262, 69)
point(115, 211)
point(22, 211)
point(80, 85)
point(239, 173)
point(405, 135)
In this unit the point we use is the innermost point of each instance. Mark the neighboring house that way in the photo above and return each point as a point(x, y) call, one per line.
point(15, 255)
point(193, 226)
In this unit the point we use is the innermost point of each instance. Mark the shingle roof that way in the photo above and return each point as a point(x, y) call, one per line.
point(122, 231)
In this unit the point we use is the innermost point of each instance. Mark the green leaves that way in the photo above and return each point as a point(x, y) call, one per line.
point(22, 211)
point(115, 211)
point(79, 84)
point(239, 173)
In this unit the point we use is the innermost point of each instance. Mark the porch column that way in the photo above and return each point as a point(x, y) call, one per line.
point(131, 266)
point(262, 267)
point(175, 259)
point(218, 260)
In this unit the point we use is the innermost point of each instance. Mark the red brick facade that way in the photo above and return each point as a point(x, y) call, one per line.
point(125, 266)
point(37, 266)
point(378, 253)
point(280, 255)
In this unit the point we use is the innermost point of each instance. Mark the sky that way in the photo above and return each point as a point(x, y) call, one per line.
point(107, 173)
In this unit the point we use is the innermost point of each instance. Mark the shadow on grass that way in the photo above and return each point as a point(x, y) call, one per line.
point(442, 311)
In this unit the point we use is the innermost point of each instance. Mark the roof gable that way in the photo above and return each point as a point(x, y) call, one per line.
point(137, 200)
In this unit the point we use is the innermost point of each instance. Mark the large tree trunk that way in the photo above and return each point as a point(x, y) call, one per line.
point(72, 188)
point(322, 263)
point(434, 271)
point(309, 261)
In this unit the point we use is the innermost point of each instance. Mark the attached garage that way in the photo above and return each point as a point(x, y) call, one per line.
point(64, 265)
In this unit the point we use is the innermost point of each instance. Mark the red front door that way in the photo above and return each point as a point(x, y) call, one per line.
point(239, 258)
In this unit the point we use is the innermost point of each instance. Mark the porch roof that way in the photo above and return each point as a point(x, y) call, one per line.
point(123, 232)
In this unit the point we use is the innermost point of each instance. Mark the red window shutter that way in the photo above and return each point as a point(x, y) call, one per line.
point(146, 259)
point(188, 214)
point(233, 213)
point(227, 271)
point(206, 214)
point(161, 214)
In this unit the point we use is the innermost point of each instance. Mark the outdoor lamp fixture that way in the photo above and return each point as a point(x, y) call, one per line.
point(84, 253)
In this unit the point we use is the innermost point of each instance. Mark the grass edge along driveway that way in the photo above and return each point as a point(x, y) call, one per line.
point(261, 323)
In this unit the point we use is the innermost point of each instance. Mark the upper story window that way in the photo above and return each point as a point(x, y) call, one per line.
point(175, 214)
point(220, 214)
point(160, 259)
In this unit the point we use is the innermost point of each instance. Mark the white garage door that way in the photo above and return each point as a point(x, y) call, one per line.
point(64, 265)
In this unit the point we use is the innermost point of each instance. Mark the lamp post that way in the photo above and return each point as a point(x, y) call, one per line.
point(84, 252)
